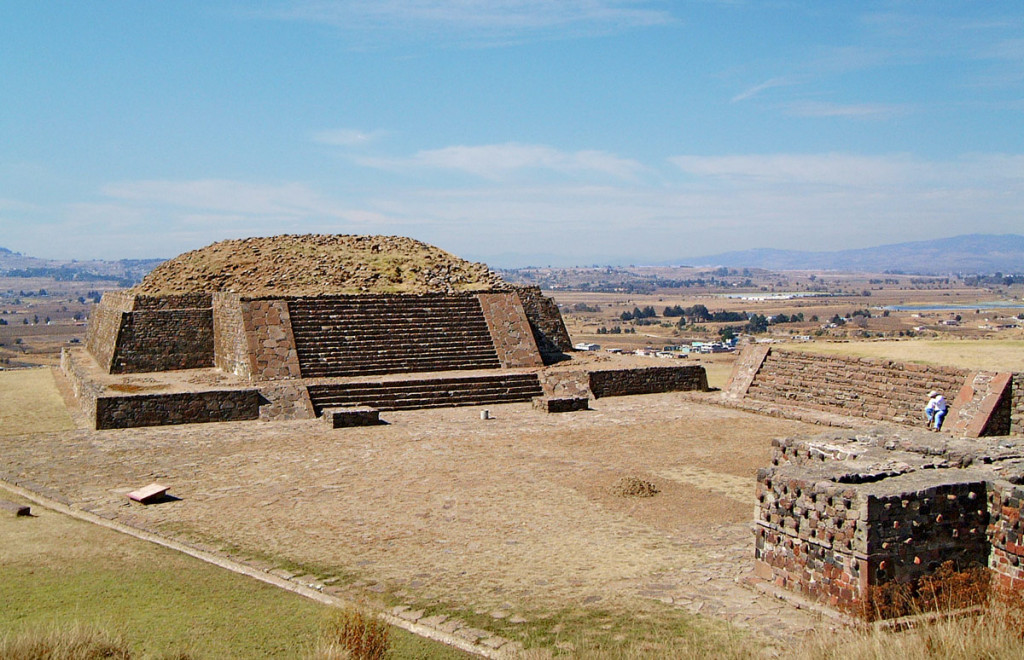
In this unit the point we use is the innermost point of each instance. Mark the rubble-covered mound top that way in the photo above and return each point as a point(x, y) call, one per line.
point(316, 264)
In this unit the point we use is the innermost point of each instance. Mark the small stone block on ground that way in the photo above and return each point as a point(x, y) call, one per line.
point(15, 508)
point(338, 418)
point(560, 405)
point(148, 494)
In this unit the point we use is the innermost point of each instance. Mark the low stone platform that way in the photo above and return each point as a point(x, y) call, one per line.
point(211, 395)
point(159, 399)
point(338, 418)
point(841, 513)
point(561, 405)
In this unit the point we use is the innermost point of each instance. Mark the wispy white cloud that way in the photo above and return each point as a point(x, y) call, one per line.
point(346, 137)
point(855, 172)
point(757, 89)
point(477, 21)
point(852, 110)
point(498, 161)
point(287, 201)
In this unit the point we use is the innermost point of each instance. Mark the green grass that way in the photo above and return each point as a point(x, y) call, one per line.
point(57, 572)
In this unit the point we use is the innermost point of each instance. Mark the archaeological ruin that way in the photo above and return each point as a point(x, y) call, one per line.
point(288, 327)
point(841, 516)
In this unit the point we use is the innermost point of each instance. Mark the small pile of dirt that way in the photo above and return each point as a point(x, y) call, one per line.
point(634, 487)
point(312, 265)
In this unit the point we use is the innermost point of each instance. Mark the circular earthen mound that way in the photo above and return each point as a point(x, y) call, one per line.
point(311, 265)
point(634, 487)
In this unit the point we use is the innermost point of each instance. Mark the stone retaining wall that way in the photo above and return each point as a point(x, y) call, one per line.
point(510, 330)
point(547, 324)
point(270, 341)
point(838, 515)
point(138, 334)
point(230, 343)
point(1006, 529)
point(648, 380)
point(1017, 404)
point(119, 412)
point(85, 389)
point(981, 403)
point(104, 326)
point(857, 387)
point(164, 340)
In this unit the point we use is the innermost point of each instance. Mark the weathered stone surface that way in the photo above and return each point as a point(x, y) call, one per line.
point(120, 412)
point(648, 380)
point(561, 405)
point(546, 323)
point(984, 403)
point(510, 330)
point(838, 514)
point(338, 418)
point(148, 494)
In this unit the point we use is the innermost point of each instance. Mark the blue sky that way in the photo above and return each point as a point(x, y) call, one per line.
point(515, 132)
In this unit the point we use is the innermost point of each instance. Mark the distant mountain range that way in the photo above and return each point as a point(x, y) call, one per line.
point(125, 272)
point(971, 253)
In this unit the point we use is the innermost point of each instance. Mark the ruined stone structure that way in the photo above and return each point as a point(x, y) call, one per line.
point(839, 514)
point(291, 349)
point(983, 403)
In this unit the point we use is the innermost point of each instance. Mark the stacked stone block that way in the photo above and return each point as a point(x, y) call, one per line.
point(1017, 404)
point(230, 343)
point(272, 346)
point(1006, 531)
point(510, 330)
point(138, 334)
point(650, 380)
point(120, 412)
point(546, 322)
point(838, 515)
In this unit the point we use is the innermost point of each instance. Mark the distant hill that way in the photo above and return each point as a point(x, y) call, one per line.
point(972, 253)
point(125, 272)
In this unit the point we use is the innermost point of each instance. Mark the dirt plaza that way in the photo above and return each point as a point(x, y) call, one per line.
point(511, 516)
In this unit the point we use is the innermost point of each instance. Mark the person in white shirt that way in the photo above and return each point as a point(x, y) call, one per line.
point(935, 411)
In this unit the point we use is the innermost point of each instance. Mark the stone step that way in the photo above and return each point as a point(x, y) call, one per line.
point(373, 333)
point(380, 370)
point(389, 390)
point(412, 350)
point(427, 394)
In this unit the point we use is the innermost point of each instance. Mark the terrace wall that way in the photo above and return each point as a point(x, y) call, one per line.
point(510, 330)
point(858, 387)
point(834, 518)
point(546, 323)
point(648, 380)
point(119, 412)
point(1017, 404)
point(230, 343)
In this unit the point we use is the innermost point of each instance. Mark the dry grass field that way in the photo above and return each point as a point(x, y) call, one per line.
point(987, 355)
point(30, 403)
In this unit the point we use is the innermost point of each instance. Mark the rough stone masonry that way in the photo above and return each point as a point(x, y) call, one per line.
point(840, 513)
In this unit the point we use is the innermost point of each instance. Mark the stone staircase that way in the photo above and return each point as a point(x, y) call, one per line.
point(427, 393)
point(370, 335)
